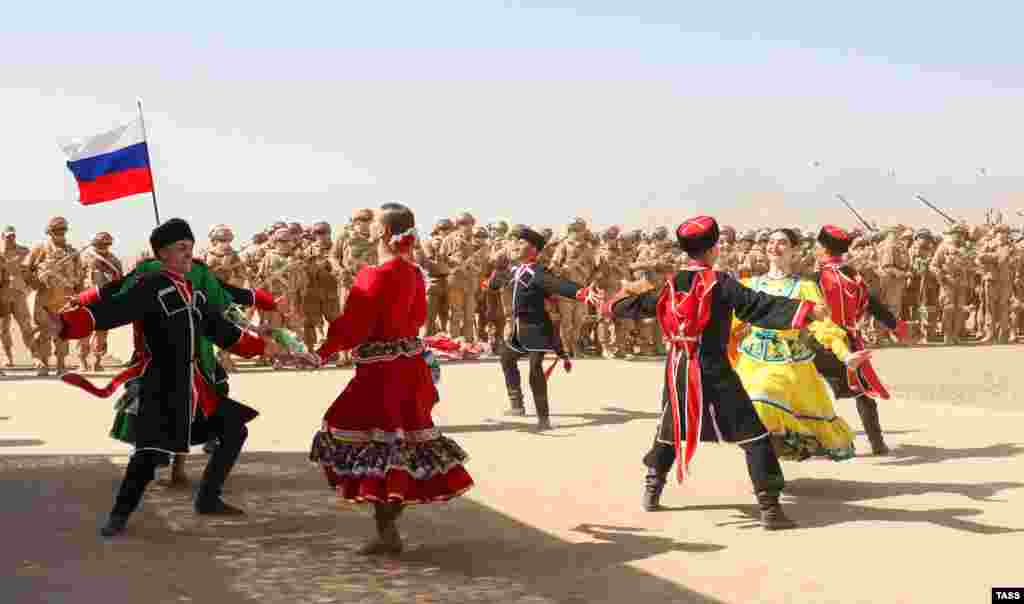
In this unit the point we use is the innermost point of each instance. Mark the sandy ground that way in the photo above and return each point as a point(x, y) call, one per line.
point(554, 517)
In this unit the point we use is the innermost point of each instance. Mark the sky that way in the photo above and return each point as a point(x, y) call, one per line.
point(620, 112)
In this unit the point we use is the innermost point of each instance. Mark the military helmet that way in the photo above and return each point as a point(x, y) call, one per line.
point(260, 238)
point(443, 224)
point(547, 233)
point(362, 215)
point(481, 233)
point(610, 233)
point(501, 226)
point(283, 235)
point(748, 236)
point(103, 238)
point(56, 222)
point(464, 218)
point(660, 233)
point(9, 230)
point(923, 234)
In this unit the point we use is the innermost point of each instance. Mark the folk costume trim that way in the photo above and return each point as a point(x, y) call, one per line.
point(683, 317)
point(848, 299)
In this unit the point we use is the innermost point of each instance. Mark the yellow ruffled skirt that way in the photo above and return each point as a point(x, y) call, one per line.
point(795, 407)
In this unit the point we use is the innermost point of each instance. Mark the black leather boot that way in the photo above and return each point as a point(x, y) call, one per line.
point(868, 410)
point(208, 499)
point(541, 403)
point(515, 399)
point(772, 516)
point(654, 484)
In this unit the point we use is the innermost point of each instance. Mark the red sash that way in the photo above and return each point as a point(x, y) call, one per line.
point(683, 317)
point(847, 298)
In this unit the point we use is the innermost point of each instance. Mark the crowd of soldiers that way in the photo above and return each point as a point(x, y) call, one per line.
point(965, 285)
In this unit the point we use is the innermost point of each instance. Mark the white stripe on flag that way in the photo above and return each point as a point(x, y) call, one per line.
point(123, 136)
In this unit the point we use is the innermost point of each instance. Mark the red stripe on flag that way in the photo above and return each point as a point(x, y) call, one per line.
point(115, 186)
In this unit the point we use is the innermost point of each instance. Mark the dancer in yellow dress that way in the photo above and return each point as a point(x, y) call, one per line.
point(777, 367)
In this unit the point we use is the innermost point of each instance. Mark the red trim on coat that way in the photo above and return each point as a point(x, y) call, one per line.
point(78, 323)
point(263, 300)
point(248, 346)
point(800, 318)
point(89, 296)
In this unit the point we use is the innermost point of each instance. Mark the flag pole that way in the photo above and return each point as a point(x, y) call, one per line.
point(149, 162)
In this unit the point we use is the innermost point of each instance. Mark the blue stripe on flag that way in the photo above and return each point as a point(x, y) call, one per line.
point(91, 168)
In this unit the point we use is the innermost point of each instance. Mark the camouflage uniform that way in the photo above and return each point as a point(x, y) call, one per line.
point(283, 274)
point(486, 314)
point(436, 265)
point(14, 292)
point(952, 267)
point(573, 260)
point(54, 270)
point(99, 268)
point(894, 269)
point(612, 270)
point(460, 253)
point(996, 261)
point(655, 262)
point(321, 303)
point(923, 290)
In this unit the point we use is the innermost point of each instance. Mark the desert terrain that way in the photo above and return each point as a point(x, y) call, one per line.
point(554, 517)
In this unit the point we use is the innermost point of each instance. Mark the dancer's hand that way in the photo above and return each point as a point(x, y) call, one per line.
point(856, 359)
point(821, 312)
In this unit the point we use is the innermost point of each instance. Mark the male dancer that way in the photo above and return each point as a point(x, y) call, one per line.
point(532, 332)
point(695, 310)
point(177, 407)
point(847, 296)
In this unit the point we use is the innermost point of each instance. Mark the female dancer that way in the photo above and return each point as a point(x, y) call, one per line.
point(777, 366)
point(378, 443)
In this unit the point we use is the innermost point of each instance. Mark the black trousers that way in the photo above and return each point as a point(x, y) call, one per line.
point(762, 463)
point(228, 427)
point(514, 381)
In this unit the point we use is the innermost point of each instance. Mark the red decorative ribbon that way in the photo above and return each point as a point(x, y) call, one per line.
point(683, 317)
point(82, 382)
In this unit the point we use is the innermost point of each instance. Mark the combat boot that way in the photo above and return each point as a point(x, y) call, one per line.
point(97, 364)
point(654, 484)
point(83, 363)
point(772, 516)
point(868, 410)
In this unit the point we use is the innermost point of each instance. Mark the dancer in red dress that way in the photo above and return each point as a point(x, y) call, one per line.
point(378, 443)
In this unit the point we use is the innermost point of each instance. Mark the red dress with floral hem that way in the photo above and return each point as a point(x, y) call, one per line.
point(378, 441)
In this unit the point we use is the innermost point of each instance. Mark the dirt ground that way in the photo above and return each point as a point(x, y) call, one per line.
point(555, 517)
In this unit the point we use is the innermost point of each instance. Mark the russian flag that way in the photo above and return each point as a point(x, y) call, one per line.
point(110, 165)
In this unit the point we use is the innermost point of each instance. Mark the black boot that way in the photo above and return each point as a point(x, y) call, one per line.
point(516, 406)
point(388, 540)
point(140, 472)
point(541, 403)
point(654, 484)
point(208, 499)
point(772, 516)
point(868, 410)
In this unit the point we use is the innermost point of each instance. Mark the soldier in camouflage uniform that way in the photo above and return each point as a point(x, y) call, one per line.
point(54, 270)
point(1017, 302)
point(893, 271)
point(573, 260)
point(952, 267)
point(99, 267)
point(654, 263)
point(228, 266)
point(486, 316)
point(612, 270)
point(283, 274)
point(996, 261)
point(321, 302)
point(14, 292)
point(434, 262)
point(920, 303)
point(459, 253)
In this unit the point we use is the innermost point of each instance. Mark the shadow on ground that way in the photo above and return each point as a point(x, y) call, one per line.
point(606, 417)
point(915, 455)
point(297, 545)
point(821, 502)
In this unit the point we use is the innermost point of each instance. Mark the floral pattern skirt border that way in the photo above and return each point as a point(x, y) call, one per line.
point(403, 471)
